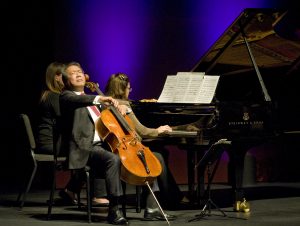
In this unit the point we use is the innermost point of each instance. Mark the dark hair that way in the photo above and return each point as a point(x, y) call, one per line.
point(53, 69)
point(65, 77)
point(116, 86)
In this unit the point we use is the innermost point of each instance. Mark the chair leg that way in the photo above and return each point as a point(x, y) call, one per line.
point(79, 205)
point(78, 193)
point(24, 194)
point(124, 201)
point(88, 196)
point(138, 198)
point(50, 204)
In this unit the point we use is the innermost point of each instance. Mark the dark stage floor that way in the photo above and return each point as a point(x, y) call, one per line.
point(271, 204)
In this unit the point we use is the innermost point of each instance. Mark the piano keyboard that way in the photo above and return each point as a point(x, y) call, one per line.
point(180, 133)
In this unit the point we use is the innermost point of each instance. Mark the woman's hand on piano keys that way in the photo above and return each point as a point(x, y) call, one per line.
point(192, 128)
point(163, 129)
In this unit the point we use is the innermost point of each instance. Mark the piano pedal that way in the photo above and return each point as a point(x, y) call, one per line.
point(241, 206)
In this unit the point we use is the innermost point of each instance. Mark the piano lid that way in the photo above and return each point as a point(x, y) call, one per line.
point(273, 36)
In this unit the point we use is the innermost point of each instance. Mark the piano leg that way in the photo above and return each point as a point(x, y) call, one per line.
point(191, 174)
point(236, 171)
point(201, 185)
point(194, 155)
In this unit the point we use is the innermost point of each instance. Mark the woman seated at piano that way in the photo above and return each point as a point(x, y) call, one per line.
point(118, 87)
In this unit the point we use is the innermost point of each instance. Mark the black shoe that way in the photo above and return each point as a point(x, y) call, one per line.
point(67, 199)
point(116, 217)
point(155, 214)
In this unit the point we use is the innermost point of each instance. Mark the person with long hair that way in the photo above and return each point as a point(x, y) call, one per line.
point(119, 87)
point(49, 112)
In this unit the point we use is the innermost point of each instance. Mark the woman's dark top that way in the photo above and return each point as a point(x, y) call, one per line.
point(49, 114)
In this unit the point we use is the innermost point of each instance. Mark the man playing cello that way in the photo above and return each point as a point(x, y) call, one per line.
point(80, 139)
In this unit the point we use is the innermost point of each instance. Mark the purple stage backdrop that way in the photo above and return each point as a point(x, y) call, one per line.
point(147, 40)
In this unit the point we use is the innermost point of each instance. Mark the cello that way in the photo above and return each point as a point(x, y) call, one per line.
point(139, 164)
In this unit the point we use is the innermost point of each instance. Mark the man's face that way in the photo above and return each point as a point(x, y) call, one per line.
point(76, 77)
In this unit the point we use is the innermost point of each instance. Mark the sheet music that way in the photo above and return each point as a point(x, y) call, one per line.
point(167, 95)
point(207, 89)
point(189, 87)
point(181, 84)
point(192, 91)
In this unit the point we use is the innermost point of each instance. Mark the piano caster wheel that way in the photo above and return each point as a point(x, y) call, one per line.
point(241, 206)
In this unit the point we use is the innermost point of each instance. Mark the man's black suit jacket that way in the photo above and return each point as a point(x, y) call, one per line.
point(77, 127)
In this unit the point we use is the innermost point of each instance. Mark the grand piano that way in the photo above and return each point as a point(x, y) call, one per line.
point(258, 59)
